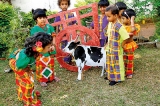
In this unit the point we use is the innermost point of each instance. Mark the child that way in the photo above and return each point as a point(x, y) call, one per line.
point(117, 38)
point(103, 22)
point(129, 48)
point(21, 62)
point(39, 15)
point(63, 5)
point(121, 7)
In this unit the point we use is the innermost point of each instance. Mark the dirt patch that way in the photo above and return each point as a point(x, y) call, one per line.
point(147, 30)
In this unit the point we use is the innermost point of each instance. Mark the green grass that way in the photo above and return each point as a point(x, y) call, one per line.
point(142, 90)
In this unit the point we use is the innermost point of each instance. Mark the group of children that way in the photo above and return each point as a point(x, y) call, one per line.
point(117, 20)
point(117, 28)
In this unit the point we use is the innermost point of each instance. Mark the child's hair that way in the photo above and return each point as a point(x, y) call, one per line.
point(113, 9)
point(31, 42)
point(38, 13)
point(103, 3)
point(128, 13)
point(59, 2)
point(121, 5)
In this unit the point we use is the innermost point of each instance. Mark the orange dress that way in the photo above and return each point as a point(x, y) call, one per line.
point(132, 46)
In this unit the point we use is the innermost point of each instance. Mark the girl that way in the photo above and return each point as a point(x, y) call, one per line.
point(129, 48)
point(21, 63)
point(103, 22)
point(117, 37)
point(39, 15)
point(63, 5)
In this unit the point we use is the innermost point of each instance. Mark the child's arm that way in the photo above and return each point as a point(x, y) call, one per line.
point(132, 24)
point(124, 42)
point(54, 37)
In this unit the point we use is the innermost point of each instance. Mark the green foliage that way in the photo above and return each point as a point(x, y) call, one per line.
point(142, 9)
point(157, 33)
point(27, 20)
point(7, 13)
point(12, 30)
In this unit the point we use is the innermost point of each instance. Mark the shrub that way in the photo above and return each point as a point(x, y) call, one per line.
point(12, 33)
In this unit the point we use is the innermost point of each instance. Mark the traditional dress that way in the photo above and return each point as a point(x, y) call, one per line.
point(45, 67)
point(47, 29)
point(21, 64)
point(44, 62)
point(129, 49)
point(64, 39)
point(115, 66)
point(103, 23)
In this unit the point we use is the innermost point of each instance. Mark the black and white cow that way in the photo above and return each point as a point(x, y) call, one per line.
point(86, 55)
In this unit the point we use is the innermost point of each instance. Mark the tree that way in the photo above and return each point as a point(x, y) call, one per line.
point(9, 1)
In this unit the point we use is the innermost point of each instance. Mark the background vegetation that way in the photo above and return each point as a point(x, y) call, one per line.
point(14, 27)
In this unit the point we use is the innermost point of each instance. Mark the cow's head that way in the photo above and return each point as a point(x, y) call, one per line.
point(71, 45)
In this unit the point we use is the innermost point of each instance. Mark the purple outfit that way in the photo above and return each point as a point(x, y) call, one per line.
point(102, 26)
point(70, 15)
point(64, 39)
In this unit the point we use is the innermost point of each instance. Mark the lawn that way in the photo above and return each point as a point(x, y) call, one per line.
point(93, 90)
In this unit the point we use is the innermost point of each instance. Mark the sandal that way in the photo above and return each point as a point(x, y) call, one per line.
point(43, 84)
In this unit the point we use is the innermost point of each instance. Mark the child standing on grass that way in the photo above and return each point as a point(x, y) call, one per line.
point(121, 7)
point(117, 38)
point(21, 62)
point(103, 22)
point(44, 60)
point(63, 5)
point(128, 17)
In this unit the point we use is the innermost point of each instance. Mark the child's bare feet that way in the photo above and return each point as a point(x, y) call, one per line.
point(56, 79)
point(129, 77)
point(43, 84)
point(38, 93)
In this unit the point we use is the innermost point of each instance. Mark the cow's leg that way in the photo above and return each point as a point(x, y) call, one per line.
point(103, 68)
point(102, 71)
point(80, 68)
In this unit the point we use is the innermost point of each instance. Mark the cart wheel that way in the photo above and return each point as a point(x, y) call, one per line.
point(86, 37)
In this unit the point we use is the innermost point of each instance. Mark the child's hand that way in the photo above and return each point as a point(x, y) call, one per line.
point(132, 20)
point(105, 46)
point(54, 34)
point(130, 34)
point(52, 47)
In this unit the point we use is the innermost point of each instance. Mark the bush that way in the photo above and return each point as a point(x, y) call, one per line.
point(12, 33)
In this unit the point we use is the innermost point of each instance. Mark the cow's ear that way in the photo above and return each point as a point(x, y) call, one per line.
point(78, 42)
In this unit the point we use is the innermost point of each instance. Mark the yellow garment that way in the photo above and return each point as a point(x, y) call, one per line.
point(137, 26)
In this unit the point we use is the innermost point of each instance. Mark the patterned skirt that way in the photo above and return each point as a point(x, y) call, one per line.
point(132, 46)
point(24, 83)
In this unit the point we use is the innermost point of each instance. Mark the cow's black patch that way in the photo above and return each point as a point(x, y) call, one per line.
point(80, 53)
point(73, 45)
point(95, 53)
